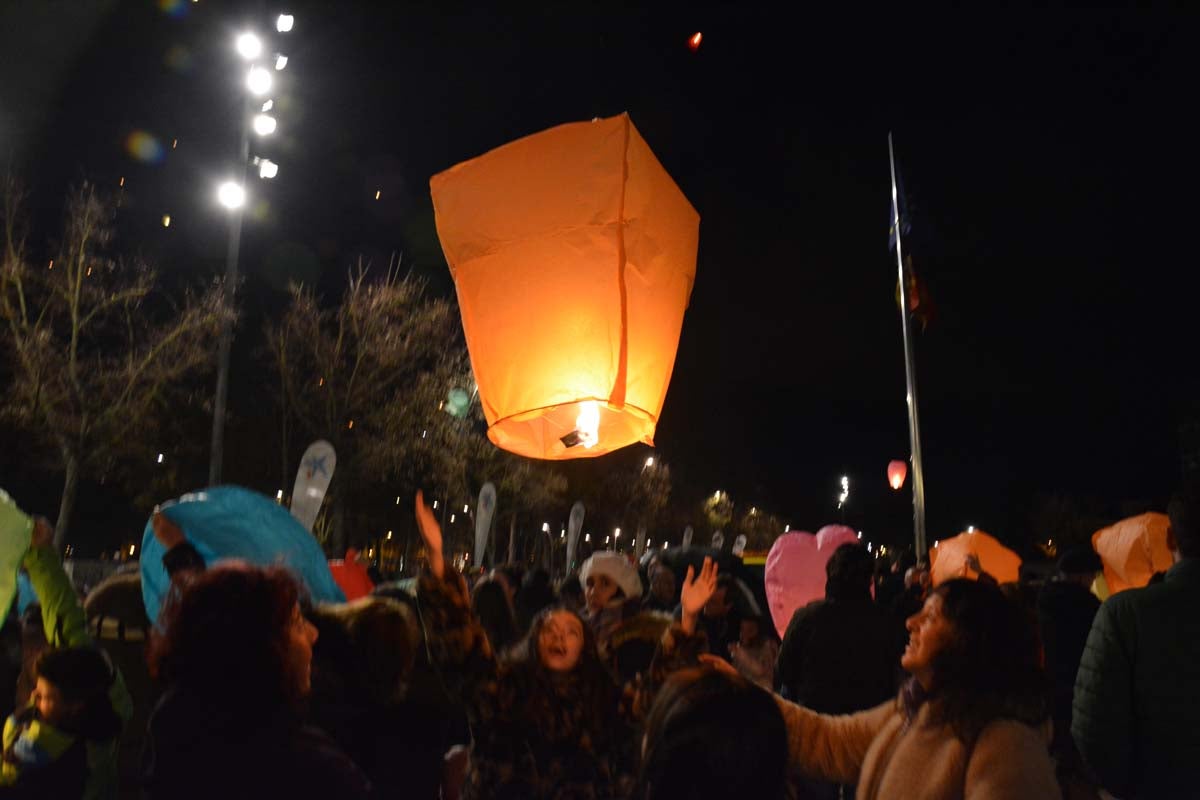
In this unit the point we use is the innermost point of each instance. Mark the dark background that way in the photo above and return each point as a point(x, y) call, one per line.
point(1049, 158)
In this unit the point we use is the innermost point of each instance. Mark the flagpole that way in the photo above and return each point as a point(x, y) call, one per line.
point(910, 374)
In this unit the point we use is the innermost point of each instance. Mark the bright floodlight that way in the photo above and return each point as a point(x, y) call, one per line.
point(249, 46)
point(259, 80)
point(267, 168)
point(231, 195)
point(284, 23)
point(267, 106)
point(280, 61)
point(264, 124)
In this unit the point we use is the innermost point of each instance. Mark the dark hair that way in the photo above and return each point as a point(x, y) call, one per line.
point(991, 668)
point(226, 635)
point(83, 676)
point(713, 735)
point(848, 573)
point(594, 686)
point(571, 588)
point(535, 594)
point(513, 575)
point(1184, 513)
point(495, 612)
point(370, 644)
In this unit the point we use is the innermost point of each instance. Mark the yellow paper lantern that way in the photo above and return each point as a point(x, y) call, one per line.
point(1132, 550)
point(574, 254)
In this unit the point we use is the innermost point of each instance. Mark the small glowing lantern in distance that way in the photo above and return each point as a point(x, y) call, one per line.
point(897, 472)
point(573, 253)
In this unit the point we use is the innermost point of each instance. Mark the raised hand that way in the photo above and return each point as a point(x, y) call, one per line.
point(718, 663)
point(696, 592)
point(431, 533)
point(166, 532)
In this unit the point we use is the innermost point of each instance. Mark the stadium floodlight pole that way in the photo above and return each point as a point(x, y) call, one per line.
point(232, 195)
point(910, 372)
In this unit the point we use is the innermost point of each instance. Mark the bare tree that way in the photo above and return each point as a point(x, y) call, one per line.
point(99, 354)
point(365, 374)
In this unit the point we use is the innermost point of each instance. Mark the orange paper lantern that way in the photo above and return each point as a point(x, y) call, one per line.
point(1132, 550)
point(574, 254)
point(949, 558)
point(897, 472)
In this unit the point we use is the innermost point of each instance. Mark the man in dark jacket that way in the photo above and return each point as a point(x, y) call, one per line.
point(1137, 694)
point(839, 654)
point(1065, 610)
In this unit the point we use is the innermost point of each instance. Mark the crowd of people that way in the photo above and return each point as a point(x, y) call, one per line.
point(625, 681)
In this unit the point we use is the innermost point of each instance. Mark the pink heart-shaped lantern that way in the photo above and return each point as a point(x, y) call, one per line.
point(795, 571)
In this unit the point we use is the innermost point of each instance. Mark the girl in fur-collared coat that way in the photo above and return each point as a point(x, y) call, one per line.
point(548, 721)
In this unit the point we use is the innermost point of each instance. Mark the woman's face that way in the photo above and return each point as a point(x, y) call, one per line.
point(560, 641)
point(302, 634)
point(599, 590)
point(929, 632)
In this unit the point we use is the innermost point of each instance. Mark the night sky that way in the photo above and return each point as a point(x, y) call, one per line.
point(1049, 159)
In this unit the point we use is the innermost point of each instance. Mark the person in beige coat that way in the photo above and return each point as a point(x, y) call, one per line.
point(972, 723)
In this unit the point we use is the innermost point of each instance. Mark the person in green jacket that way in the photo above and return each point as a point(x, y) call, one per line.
point(1137, 692)
point(63, 744)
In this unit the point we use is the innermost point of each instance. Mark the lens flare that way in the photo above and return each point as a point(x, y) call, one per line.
point(173, 8)
point(144, 147)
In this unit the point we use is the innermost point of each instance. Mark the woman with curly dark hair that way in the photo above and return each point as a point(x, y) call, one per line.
point(235, 654)
point(544, 716)
point(971, 723)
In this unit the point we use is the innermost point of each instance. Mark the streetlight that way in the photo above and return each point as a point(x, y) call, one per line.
point(845, 495)
point(259, 80)
point(232, 195)
point(249, 46)
point(264, 124)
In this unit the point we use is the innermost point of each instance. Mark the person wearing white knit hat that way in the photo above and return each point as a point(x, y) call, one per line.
point(611, 587)
point(605, 574)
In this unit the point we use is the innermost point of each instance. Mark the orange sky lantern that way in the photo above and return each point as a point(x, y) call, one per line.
point(950, 559)
point(897, 471)
point(574, 254)
point(1132, 550)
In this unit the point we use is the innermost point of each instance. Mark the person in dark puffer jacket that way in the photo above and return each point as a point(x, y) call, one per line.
point(1137, 694)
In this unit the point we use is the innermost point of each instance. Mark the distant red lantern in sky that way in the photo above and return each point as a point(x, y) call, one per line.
point(897, 472)
point(694, 41)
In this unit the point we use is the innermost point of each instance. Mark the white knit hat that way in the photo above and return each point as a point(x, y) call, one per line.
point(615, 566)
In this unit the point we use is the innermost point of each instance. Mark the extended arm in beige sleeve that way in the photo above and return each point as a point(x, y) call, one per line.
point(830, 747)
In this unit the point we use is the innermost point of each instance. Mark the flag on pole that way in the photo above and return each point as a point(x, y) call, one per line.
point(312, 482)
point(574, 526)
point(919, 304)
point(483, 520)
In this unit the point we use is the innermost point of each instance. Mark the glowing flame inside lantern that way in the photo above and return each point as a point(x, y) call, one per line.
point(587, 424)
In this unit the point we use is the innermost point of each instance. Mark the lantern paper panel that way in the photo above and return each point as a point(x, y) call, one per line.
point(573, 254)
point(1132, 550)
point(949, 559)
point(897, 471)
